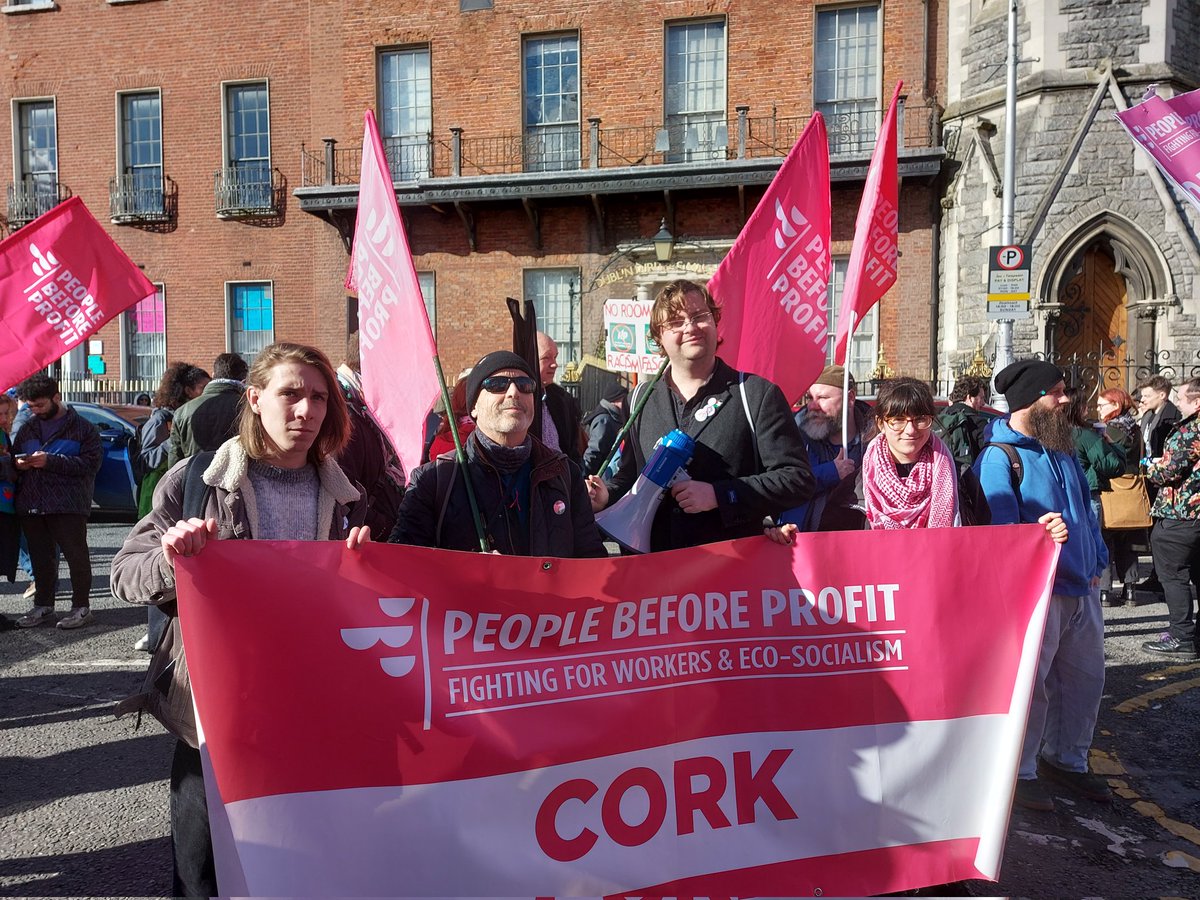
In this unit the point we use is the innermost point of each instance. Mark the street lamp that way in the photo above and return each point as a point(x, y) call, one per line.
point(664, 243)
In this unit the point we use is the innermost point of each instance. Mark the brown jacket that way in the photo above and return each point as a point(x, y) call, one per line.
point(140, 573)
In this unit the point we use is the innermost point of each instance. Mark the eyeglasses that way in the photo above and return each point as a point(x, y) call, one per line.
point(899, 423)
point(499, 384)
point(700, 320)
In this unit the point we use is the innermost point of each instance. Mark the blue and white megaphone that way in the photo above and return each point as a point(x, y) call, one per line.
point(628, 520)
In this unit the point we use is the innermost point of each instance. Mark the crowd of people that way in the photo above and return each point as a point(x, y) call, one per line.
point(287, 450)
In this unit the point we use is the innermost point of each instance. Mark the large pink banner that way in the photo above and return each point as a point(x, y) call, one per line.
point(61, 278)
point(741, 718)
point(872, 267)
point(395, 341)
point(1169, 130)
point(772, 285)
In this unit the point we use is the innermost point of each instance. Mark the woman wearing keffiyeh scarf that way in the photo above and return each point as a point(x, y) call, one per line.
point(909, 478)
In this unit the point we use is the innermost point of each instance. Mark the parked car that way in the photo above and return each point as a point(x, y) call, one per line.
point(115, 489)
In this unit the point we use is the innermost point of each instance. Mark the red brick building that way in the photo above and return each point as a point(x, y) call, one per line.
point(537, 147)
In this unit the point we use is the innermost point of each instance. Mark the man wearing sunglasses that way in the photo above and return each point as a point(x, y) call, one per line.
point(532, 500)
point(748, 463)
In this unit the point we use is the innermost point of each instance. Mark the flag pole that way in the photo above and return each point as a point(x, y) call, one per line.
point(460, 454)
point(634, 413)
point(846, 387)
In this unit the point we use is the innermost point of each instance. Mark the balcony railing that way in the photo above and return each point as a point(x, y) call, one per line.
point(246, 192)
point(705, 139)
point(29, 198)
point(134, 198)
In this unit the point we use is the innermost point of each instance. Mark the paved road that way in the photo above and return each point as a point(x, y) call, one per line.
point(83, 796)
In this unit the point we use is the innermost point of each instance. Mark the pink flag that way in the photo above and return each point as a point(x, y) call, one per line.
point(1169, 130)
point(872, 267)
point(395, 340)
point(772, 284)
point(61, 278)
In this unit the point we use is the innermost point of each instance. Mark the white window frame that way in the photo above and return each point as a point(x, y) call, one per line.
point(126, 338)
point(17, 103)
point(427, 281)
point(119, 117)
point(12, 7)
point(852, 122)
point(570, 339)
point(229, 329)
point(406, 165)
point(226, 137)
point(864, 345)
point(696, 134)
point(552, 146)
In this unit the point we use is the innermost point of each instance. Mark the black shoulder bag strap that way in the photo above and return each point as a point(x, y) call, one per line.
point(1016, 469)
point(195, 491)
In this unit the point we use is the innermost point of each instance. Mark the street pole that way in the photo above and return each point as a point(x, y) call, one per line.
point(1004, 343)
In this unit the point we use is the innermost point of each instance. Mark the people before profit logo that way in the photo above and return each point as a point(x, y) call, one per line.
point(61, 299)
point(394, 636)
point(698, 785)
point(801, 273)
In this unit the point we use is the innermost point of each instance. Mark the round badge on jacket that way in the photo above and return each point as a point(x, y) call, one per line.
point(559, 507)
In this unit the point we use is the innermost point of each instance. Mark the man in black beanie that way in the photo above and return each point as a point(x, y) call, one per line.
point(602, 425)
point(532, 500)
point(1049, 487)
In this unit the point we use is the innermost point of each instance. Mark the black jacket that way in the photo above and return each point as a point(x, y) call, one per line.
point(564, 411)
point(437, 513)
point(754, 473)
point(1157, 427)
point(962, 429)
point(602, 425)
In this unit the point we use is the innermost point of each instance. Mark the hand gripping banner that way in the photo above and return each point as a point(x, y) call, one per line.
point(843, 716)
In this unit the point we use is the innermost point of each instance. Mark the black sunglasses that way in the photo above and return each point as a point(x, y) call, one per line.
point(499, 384)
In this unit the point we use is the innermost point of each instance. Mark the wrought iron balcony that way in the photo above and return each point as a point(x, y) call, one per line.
point(31, 197)
point(134, 198)
point(248, 191)
point(703, 140)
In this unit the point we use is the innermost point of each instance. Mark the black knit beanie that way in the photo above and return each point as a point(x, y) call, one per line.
point(490, 365)
point(1023, 382)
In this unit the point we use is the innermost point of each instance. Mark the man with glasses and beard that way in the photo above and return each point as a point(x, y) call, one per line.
point(836, 504)
point(1047, 484)
point(532, 500)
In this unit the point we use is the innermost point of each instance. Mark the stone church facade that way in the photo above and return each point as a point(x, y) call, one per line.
point(1115, 251)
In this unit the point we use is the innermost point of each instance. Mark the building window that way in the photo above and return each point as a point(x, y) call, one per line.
point(36, 188)
point(846, 76)
point(695, 91)
point(552, 103)
point(429, 295)
point(555, 295)
point(244, 185)
point(864, 346)
point(406, 112)
point(145, 333)
point(251, 317)
point(139, 188)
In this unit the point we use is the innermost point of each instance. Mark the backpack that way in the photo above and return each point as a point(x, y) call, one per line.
point(166, 691)
point(137, 465)
point(1016, 469)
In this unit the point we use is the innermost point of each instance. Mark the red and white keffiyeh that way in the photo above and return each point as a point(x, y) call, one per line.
point(927, 498)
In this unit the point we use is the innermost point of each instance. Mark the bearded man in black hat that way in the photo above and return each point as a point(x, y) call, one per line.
point(1030, 473)
point(532, 500)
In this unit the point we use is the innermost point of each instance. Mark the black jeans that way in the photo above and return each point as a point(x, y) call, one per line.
point(191, 843)
point(69, 532)
point(1175, 544)
point(1122, 561)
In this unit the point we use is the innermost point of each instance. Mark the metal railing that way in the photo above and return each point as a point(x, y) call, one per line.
point(30, 198)
point(137, 198)
point(565, 148)
point(248, 191)
point(105, 390)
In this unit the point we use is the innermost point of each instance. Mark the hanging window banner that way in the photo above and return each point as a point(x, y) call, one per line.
point(740, 718)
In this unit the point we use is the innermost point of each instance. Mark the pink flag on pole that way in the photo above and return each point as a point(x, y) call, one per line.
point(772, 284)
point(395, 340)
point(872, 267)
point(61, 278)
point(1169, 130)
